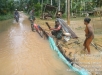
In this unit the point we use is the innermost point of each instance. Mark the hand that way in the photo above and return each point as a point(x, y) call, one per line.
point(51, 28)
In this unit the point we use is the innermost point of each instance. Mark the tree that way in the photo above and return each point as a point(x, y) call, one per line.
point(6, 6)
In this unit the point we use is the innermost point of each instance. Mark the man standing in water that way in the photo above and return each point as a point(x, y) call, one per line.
point(32, 17)
point(89, 33)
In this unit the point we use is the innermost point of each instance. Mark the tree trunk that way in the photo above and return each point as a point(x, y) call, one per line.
point(51, 2)
point(42, 5)
point(42, 9)
point(38, 1)
point(68, 12)
point(59, 5)
point(65, 6)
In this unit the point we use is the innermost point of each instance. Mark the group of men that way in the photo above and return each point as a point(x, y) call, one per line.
point(89, 33)
point(58, 32)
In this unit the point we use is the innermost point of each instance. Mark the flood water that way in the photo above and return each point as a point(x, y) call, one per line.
point(23, 52)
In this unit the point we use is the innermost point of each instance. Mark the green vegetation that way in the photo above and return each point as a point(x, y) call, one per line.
point(77, 6)
point(6, 9)
point(6, 6)
point(5, 17)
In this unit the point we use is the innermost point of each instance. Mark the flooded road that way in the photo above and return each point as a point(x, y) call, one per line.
point(23, 52)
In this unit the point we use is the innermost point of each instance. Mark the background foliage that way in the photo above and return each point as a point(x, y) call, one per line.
point(8, 6)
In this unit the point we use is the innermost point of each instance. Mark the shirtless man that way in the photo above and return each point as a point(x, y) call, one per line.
point(89, 33)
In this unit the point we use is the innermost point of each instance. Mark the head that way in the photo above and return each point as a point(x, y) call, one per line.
point(32, 10)
point(57, 22)
point(57, 16)
point(87, 21)
point(59, 13)
point(15, 9)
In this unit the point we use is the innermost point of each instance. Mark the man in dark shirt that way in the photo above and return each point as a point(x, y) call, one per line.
point(57, 31)
point(16, 13)
point(32, 17)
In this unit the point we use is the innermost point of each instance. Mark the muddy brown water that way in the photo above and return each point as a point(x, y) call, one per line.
point(23, 52)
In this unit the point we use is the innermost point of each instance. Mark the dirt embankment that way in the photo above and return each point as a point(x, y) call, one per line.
point(74, 47)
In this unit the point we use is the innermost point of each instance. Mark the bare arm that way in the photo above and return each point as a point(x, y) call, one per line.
point(59, 27)
point(90, 32)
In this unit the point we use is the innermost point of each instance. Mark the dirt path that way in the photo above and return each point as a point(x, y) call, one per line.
point(23, 52)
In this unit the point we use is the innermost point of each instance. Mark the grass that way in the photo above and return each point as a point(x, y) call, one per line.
point(5, 17)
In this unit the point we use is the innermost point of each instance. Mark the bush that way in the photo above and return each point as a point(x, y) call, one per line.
point(5, 17)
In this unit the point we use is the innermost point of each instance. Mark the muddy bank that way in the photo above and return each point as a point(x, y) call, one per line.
point(73, 49)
